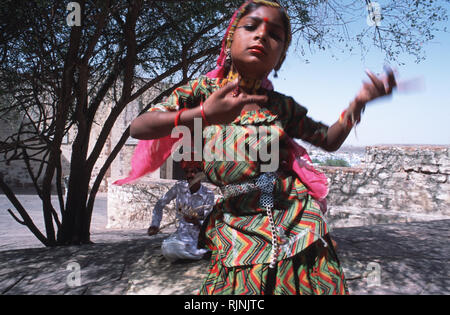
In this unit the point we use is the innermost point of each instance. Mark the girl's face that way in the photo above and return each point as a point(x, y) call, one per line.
point(258, 42)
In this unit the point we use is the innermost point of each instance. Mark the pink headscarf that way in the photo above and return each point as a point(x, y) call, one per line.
point(220, 71)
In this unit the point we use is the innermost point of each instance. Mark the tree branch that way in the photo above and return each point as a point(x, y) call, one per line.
point(27, 221)
point(16, 218)
point(113, 154)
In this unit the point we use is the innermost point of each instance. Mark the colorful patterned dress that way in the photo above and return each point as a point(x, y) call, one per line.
point(238, 230)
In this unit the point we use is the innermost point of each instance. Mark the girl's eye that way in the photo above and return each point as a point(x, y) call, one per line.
point(253, 27)
point(249, 27)
point(275, 36)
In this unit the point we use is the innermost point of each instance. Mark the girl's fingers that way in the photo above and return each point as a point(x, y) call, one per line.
point(377, 82)
point(228, 88)
point(391, 82)
point(244, 99)
point(370, 88)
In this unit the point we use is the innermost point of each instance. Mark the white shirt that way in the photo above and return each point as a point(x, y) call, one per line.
point(201, 201)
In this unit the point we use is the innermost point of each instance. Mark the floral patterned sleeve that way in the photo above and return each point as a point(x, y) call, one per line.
point(301, 126)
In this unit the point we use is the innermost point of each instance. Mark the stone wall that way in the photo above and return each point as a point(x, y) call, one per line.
point(15, 173)
point(396, 184)
point(130, 206)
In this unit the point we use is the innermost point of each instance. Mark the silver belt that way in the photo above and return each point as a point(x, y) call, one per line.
point(264, 183)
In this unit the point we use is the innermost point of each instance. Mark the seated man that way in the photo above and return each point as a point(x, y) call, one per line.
point(193, 202)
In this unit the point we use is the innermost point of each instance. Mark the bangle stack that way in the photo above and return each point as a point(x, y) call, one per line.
point(203, 115)
point(346, 122)
point(177, 117)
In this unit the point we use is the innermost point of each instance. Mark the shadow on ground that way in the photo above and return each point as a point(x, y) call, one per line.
point(411, 258)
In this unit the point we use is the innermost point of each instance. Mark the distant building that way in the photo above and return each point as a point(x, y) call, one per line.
point(352, 155)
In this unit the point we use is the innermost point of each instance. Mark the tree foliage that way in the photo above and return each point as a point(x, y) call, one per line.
point(403, 27)
point(54, 77)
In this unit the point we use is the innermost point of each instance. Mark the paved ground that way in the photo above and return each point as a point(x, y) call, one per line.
point(15, 236)
point(407, 258)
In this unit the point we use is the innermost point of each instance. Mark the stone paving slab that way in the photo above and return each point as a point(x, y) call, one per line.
point(412, 258)
point(15, 236)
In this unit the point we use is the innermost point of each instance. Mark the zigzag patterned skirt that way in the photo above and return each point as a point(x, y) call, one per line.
point(316, 270)
point(238, 232)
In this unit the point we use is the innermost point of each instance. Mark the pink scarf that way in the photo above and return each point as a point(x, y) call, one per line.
point(148, 156)
point(220, 71)
point(316, 182)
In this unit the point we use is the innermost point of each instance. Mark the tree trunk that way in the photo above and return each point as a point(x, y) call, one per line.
point(74, 216)
point(73, 227)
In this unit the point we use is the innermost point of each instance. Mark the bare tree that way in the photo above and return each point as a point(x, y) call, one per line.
point(56, 77)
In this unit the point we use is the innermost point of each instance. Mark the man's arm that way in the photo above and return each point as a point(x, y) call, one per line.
point(160, 204)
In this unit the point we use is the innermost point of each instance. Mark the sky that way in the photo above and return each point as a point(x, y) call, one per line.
point(326, 85)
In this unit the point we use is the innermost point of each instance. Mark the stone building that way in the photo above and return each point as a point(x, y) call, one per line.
point(16, 174)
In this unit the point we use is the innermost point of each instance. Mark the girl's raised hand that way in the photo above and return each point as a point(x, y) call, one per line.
point(222, 107)
point(377, 87)
point(370, 91)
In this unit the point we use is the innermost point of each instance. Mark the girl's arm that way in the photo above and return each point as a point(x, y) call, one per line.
point(160, 121)
point(155, 125)
point(338, 132)
point(219, 108)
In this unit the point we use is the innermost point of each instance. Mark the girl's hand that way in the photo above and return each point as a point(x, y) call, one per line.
point(152, 230)
point(372, 90)
point(222, 107)
point(192, 219)
point(377, 88)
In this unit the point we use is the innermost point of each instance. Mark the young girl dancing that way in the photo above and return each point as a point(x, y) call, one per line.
point(267, 234)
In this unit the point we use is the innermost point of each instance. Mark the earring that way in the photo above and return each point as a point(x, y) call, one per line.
point(228, 58)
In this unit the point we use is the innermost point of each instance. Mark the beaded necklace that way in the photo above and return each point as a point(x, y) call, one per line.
point(250, 85)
